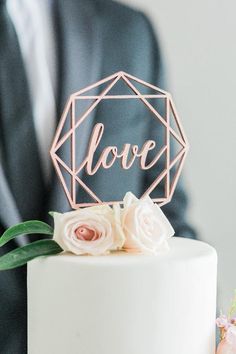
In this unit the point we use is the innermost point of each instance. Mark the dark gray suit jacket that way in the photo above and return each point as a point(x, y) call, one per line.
point(95, 38)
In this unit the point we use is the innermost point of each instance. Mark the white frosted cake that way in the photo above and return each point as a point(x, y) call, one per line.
point(124, 303)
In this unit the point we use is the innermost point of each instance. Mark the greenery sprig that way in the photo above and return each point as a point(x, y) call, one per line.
point(21, 255)
point(232, 310)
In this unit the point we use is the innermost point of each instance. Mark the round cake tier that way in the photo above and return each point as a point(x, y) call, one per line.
point(124, 303)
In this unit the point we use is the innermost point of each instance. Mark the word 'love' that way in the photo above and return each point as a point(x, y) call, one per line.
point(110, 154)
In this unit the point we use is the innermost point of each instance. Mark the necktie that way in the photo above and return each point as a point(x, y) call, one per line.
point(18, 139)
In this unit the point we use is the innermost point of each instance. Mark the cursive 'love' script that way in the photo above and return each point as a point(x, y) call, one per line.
point(111, 153)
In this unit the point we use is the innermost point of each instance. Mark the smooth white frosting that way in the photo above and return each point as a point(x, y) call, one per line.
point(124, 303)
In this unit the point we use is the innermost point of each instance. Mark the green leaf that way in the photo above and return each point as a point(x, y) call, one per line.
point(24, 254)
point(232, 310)
point(27, 227)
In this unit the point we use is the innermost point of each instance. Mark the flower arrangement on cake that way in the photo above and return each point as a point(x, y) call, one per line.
point(101, 227)
point(227, 327)
point(95, 230)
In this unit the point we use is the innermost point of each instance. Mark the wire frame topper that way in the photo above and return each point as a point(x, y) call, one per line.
point(110, 153)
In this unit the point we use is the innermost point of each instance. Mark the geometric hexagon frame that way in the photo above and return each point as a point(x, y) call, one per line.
point(175, 132)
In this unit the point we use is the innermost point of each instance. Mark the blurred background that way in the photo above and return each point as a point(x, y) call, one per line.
point(198, 42)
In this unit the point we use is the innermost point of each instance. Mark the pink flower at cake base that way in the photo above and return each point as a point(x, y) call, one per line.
point(95, 230)
point(222, 322)
point(225, 348)
point(227, 333)
point(231, 336)
point(145, 226)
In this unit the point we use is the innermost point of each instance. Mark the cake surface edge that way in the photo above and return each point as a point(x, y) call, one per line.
point(127, 304)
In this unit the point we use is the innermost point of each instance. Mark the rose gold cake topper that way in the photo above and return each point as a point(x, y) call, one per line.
point(110, 154)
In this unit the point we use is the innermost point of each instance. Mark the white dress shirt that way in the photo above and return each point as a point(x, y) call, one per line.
point(34, 28)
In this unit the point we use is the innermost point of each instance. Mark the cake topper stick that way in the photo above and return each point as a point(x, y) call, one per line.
point(111, 153)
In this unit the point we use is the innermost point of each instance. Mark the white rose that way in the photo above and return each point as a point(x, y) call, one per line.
point(94, 230)
point(145, 226)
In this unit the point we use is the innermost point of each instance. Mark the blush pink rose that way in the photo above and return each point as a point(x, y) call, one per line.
point(145, 226)
point(95, 230)
point(225, 348)
point(231, 336)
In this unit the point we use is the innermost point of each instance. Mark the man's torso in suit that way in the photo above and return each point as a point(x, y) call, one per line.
point(95, 39)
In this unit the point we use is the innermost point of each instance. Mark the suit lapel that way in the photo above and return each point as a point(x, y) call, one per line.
point(79, 63)
point(79, 56)
point(9, 214)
